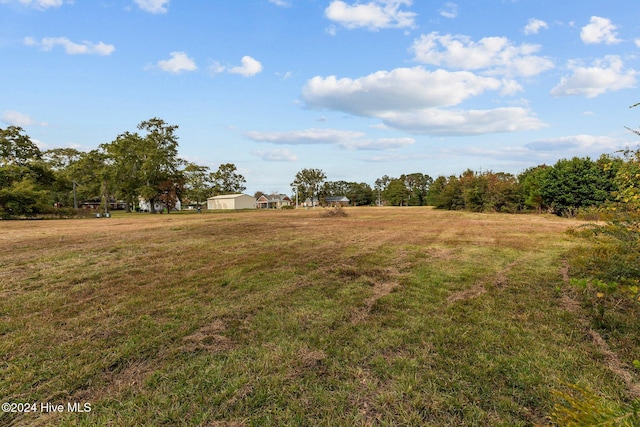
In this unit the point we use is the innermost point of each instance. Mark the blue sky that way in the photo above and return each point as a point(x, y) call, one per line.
point(359, 89)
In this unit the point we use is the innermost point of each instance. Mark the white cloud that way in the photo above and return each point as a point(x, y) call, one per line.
point(494, 55)
point(401, 89)
point(153, 6)
point(413, 99)
point(276, 155)
point(378, 143)
point(15, 118)
point(435, 121)
point(281, 3)
point(179, 62)
point(351, 140)
point(591, 143)
point(250, 67)
point(449, 10)
point(599, 30)
point(637, 42)
point(605, 75)
point(375, 15)
point(71, 48)
point(39, 4)
point(534, 26)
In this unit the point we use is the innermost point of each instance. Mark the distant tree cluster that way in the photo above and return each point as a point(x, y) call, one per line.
point(312, 184)
point(408, 190)
point(563, 189)
point(140, 165)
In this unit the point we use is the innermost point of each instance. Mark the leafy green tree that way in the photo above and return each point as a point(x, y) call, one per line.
point(60, 161)
point(359, 194)
point(127, 155)
point(197, 183)
point(380, 186)
point(159, 155)
point(308, 183)
point(531, 182)
point(474, 191)
point(89, 173)
point(627, 180)
point(25, 181)
point(435, 191)
point(397, 193)
point(418, 186)
point(576, 183)
point(16, 148)
point(141, 165)
point(23, 197)
point(504, 192)
point(227, 180)
point(450, 196)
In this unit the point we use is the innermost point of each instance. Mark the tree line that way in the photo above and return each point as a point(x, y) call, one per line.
point(135, 165)
point(564, 188)
point(145, 165)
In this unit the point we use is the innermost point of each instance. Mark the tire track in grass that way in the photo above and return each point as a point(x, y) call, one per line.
point(612, 361)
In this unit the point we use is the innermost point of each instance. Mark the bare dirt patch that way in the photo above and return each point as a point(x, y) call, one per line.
point(499, 280)
point(208, 338)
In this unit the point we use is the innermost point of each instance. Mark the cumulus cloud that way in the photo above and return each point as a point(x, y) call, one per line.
point(402, 89)
point(534, 26)
point(493, 55)
point(153, 6)
point(276, 155)
point(15, 118)
point(250, 67)
point(374, 15)
point(416, 100)
point(449, 10)
point(71, 48)
point(178, 63)
point(352, 140)
point(605, 75)
point(599, 30)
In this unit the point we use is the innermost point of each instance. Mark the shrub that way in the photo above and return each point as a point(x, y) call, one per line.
point(335, 212)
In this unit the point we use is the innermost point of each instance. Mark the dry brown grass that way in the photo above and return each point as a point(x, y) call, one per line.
point(283, 316)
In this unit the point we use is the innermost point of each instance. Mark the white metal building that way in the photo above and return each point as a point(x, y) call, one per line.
point(231, 201)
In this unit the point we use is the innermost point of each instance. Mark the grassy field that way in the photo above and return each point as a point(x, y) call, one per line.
point(389, 316)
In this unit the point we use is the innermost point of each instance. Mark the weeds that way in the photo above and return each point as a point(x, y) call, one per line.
point(606, 271)
point(579, 407)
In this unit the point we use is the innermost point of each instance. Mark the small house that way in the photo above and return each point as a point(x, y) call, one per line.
point(337, 201)
point(273, 201)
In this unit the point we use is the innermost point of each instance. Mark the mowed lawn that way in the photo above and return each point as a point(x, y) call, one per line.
point(388, 316)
